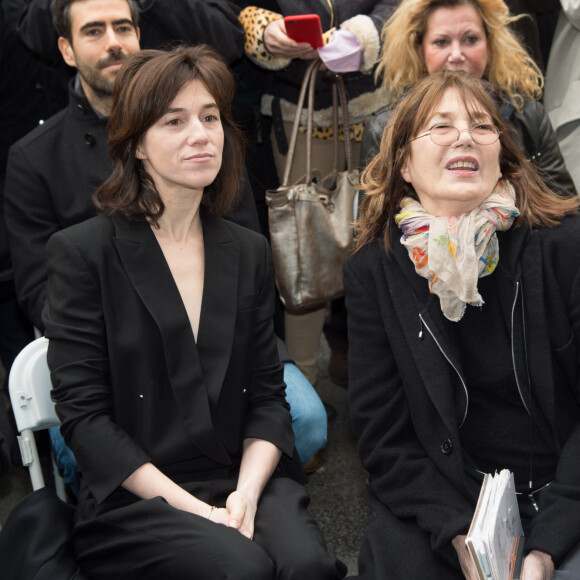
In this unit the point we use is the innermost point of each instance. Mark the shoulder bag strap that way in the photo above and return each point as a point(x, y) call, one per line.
point(338, 88)
point(311, 71)
point(310, 122)
point(309, 84)
point(345, 122)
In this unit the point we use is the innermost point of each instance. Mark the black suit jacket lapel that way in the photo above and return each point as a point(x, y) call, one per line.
point(151, 277)
point(219, 305)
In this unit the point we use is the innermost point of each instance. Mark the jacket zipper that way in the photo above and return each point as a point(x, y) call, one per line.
point(513, 349)
point(459, 374)
point(452, 365)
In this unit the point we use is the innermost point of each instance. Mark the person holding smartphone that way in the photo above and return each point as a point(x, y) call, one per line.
point(269, 47)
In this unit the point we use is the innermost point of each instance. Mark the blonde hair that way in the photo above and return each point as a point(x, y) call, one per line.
point(385, 187)
point(509, 68)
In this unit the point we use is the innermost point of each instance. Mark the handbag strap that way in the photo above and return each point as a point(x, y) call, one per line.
point(338, 87)
point(296, 126)
point(309, 85)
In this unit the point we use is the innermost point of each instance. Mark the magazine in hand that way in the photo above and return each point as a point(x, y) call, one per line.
point(495, 539)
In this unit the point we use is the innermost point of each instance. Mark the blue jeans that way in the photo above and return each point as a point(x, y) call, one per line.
point(308, 422)
point(65, 460)
point(308, 413)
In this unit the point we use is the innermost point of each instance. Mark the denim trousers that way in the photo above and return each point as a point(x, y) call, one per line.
point(309, 420)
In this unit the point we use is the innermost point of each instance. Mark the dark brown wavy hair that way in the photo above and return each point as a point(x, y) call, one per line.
point(385, 187)
point(144, 89)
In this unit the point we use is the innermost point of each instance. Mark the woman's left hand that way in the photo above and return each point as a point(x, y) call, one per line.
point(537, 566)
point(241, 513)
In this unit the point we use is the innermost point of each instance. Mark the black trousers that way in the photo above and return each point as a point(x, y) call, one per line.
point(149, 539)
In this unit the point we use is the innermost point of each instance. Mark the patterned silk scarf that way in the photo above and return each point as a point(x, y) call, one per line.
point(453, 252)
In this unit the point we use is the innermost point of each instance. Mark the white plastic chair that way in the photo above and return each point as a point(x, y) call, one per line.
point(29, 385)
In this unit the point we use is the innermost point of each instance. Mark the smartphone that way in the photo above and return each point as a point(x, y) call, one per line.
point(305, 28)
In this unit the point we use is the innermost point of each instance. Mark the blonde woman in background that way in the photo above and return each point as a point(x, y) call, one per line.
point(426, 36)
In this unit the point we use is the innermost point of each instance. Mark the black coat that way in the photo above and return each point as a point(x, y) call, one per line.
point(405, 393)
point(131, 382)
point(51, 175)
point(533, 133)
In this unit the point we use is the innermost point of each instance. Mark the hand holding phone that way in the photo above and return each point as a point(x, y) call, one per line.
point(305, 28)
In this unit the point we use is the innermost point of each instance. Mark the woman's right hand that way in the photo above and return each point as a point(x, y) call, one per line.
point(537, 566)
point(239, 513)
point(465, 561)
point(278, 43)
point(219, 516)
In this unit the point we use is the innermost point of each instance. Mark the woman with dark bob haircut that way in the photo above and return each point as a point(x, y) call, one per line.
point(162, 351)
point(463, 298)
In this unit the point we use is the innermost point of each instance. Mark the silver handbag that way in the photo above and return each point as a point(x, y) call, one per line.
point(311, 222)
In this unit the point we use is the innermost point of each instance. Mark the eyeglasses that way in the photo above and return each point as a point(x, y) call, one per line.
point(446, 135)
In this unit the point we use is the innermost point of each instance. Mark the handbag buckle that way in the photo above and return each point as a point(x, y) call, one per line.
point(326, 202)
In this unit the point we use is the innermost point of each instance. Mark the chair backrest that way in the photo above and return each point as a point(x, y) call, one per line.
point(29, 385)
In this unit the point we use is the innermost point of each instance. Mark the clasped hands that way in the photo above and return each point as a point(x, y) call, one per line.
point(239, 513)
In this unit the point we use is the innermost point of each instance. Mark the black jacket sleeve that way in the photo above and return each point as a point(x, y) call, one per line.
point(540, 142)
point(30, 221)
point(555, 528)
point(80, 373)
point(214, 22)
point(372, 134)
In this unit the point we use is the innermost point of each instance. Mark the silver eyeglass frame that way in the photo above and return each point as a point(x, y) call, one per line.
point(459, 131)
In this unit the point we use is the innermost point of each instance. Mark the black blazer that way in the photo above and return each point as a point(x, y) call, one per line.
point(131, 384)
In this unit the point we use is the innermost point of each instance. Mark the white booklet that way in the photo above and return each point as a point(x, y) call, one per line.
point(495, 539)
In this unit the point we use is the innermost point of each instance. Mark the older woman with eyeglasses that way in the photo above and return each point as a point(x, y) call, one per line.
point(463, 297)
point(423, 37)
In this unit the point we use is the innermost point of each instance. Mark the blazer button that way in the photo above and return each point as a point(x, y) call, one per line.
point(446, 446)
point(90, 139)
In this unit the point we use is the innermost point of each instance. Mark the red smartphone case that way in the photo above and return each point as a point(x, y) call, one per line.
point(305, 28)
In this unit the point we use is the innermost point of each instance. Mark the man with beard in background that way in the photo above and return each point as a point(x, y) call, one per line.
point(53, 170)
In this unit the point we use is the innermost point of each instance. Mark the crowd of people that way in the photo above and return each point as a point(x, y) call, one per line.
point(140, 137)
